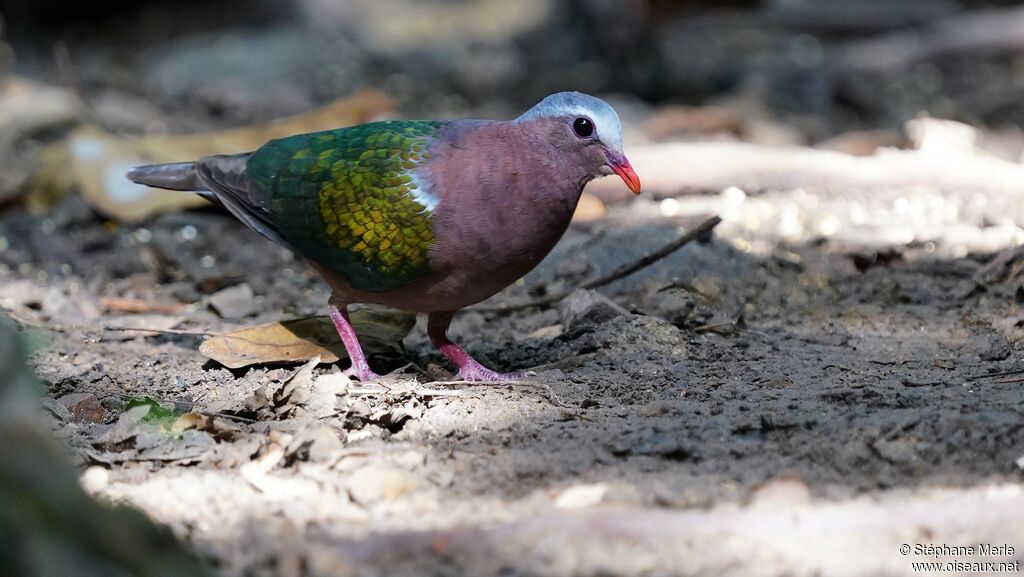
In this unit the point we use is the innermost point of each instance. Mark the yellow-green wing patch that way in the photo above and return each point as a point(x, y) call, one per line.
point(350, 199)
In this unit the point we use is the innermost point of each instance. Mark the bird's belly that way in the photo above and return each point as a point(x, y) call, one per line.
point(437, 291)
point(492, 268)
point(468, 267)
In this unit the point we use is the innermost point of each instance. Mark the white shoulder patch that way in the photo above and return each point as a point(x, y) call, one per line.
point(422, 194)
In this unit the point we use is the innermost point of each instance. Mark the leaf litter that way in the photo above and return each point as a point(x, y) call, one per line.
point(299, 340)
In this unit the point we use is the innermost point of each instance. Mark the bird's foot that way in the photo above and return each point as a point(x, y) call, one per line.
point(359, 369)
point(364, 375)
point(469, 368)
point(473, 371)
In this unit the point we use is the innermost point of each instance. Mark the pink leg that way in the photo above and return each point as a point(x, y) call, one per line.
point(469, 368)
point(360, 368)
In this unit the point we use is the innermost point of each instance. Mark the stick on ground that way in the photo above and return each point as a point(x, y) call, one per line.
point(619, 273)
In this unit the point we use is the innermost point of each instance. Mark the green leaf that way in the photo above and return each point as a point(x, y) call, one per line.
point(159, 415)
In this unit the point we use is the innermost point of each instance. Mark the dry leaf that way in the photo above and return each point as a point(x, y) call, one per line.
point(258, 399)
point(394, 417)
point(379, 330)
point(317, 444)
point(218, 428)
point(84, 407)
point(297, 389)
point(99, 160)
point(323, 401)
point(126, 427)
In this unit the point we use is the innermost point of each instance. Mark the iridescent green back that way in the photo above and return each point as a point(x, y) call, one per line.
point(350, 200)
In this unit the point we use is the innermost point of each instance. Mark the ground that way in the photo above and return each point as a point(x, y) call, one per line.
point(815, 380)
point(835, 373)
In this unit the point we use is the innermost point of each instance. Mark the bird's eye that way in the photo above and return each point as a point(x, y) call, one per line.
point(583, 127)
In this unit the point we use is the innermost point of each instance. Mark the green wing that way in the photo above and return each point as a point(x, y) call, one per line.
point(349, 199)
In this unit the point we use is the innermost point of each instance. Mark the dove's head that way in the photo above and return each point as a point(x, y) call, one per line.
point(588, 129)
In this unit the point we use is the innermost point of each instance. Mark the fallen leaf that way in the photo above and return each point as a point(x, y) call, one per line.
point(326, 389)
point(258, 399)
point(297, 389)
point(379, 330)
point(156, 414)
point(218, 428)
point(317, 445)
point(99, 160)
point(84, 407)
point(126, 427)
point(395, 417)
point(191, 447)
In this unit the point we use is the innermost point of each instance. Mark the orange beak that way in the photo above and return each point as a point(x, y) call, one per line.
point(617, 161)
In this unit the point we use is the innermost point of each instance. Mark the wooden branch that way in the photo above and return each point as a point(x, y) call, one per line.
point(679, 168)
point(619, 273)
point(651, 258)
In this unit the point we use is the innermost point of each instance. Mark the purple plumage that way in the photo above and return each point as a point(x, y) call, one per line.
point(495, 198)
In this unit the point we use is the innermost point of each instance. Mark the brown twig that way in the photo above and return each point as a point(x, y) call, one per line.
point(720, 328)
point(229, 417)
point(619, 273)
point(130, 305)
point(994, 375)
point(160, 331)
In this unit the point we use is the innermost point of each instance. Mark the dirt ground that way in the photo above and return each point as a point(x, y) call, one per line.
point(738, 396)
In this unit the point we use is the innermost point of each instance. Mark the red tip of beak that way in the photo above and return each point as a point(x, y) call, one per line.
point(621, 166)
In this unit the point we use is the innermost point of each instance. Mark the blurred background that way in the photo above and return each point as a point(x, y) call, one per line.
point(828, 66)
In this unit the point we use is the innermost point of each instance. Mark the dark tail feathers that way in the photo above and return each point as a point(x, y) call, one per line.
point(172, 176)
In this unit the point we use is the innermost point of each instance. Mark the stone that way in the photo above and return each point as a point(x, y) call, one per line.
point(84, 407)
point(376, 483)
point(234, 302)
point(584, 308)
